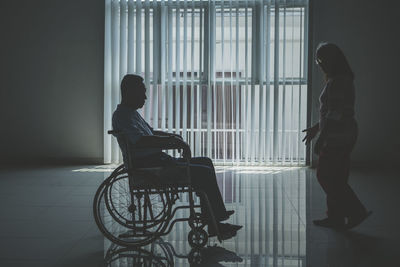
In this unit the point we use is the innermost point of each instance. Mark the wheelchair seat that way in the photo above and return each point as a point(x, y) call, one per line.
point(161, 176)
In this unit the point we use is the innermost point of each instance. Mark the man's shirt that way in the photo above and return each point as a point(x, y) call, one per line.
point(133, 126)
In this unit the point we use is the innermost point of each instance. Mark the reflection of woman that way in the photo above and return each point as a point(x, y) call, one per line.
point(338, 134)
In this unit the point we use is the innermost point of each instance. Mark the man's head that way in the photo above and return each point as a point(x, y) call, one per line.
point(133, 91)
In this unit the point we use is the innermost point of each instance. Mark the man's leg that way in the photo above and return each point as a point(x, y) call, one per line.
point(204, 179)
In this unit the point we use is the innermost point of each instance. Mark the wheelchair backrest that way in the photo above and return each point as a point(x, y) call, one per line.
point(126, 149)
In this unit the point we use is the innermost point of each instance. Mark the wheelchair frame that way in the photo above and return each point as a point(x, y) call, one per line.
point(133, 208)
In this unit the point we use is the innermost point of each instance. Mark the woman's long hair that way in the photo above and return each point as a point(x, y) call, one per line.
point(332, 61)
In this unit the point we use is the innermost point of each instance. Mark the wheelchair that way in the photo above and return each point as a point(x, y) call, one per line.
point(135, 206)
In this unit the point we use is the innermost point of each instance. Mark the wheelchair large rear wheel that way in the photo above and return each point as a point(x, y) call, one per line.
point(136, 208)
point(129, 216)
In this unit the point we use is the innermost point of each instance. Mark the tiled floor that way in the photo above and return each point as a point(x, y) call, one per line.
point(46, 219)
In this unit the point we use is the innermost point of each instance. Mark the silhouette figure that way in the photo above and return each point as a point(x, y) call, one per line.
point(337, 136)
point(127, 119)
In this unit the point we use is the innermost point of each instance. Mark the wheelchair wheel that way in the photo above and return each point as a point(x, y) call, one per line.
point(136, 209)
point(197, 238)
point(130, 217)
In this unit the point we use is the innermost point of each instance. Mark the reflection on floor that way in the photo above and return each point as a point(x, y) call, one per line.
point(270, 203)
point(46, 220)
point(162, 253)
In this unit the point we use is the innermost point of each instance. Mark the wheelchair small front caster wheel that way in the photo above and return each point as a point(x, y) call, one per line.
point(197, 238)
point(195, 257)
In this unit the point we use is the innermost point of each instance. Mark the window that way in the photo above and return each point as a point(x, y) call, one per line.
point(229, 76)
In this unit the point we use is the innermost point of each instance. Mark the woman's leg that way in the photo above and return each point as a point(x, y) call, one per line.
point(333, 175)
point(331, 178)
point(353, 205)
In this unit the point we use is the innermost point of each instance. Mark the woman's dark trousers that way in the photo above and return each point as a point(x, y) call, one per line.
point(333, 175)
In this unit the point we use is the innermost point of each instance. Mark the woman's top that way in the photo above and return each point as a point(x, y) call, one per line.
point(337, 111)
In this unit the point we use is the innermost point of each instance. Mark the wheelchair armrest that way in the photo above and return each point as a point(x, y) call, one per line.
point(168, 146)
point(113, 132)
point(163, 146)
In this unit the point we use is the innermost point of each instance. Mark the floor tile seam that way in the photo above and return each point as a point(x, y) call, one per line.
point(24, 260)
point(84, 195)
point(45, 206)
point(69, 206)
point(25, 237)
point(296, 211)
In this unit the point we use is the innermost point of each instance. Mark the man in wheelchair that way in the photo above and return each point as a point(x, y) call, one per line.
point(127, 119)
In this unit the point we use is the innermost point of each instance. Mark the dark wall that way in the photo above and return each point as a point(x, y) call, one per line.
point(51, 98)
point(367, 31)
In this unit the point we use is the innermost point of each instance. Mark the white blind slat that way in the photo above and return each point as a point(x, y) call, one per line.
point(147, 48)
point(177, 102)
point(185, 88)
point(276, 84)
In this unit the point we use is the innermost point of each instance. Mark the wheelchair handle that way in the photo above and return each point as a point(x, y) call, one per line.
point(113, 132)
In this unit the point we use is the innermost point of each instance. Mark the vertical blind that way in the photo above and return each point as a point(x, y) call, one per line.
point(229, 76)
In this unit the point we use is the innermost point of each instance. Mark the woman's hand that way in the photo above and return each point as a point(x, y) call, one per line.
point(310, 133)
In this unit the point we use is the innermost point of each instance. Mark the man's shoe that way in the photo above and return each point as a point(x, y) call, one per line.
point(355, 221)
point(227, 235)
point(225, 229)
point(330, 223)
point(227, 214)
point(234, 227)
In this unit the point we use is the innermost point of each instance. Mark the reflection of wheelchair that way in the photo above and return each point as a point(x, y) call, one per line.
point(159, 253)
point(162, 253)
point(135, 206)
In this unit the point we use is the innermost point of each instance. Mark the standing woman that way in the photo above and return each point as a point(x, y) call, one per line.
point(337, 135)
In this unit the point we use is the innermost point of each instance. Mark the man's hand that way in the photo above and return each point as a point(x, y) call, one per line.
point(161, 139)
point(178, 140)
point(310, 133)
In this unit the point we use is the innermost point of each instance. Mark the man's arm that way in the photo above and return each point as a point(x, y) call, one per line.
point(160, 133)
point(165, 134)
point(154, 140)
point(157, 141)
